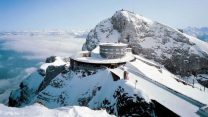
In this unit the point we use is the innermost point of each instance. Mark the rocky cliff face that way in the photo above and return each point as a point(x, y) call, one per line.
point(178, 52)
point(94, 89)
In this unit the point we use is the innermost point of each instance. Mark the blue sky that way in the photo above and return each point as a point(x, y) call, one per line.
point(18, 15)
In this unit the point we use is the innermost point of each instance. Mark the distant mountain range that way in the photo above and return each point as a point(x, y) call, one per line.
point(201, 33)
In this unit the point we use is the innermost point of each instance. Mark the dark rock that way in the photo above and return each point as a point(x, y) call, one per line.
point(50, 59)
point(128, 106)
point(51, 73)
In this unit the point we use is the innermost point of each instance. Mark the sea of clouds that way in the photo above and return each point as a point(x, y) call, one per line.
point(42, 46)
point(31, 49)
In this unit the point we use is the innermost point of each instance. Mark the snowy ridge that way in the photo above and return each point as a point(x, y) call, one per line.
point(58, 62)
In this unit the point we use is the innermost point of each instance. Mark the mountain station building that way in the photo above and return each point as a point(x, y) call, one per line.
point(110, 55)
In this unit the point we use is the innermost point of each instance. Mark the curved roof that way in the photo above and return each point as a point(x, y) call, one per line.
point(97, 59)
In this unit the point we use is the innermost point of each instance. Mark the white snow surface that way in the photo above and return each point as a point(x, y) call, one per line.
point(159, 74)
point(133, 17)
point(38, 110)
point(58, 62)
point(168, 79)
point(75, 87)
point(167, 99)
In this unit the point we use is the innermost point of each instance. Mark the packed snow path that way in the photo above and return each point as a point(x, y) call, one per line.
point(164, 77)
point(195, 102)
point(169, 96)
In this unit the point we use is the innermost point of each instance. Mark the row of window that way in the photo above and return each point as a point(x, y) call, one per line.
point(113, 56)
point(102, 49)
point(113, 52)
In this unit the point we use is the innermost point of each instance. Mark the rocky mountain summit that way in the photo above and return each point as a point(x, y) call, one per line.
point(179, 53)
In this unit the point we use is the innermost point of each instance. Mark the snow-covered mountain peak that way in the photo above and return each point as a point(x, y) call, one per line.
point(178, 52)
point(131, 16)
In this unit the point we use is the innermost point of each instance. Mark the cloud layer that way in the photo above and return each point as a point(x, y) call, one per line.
point(42, 46)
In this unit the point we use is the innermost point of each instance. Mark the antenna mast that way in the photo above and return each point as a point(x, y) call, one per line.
point(132, 5)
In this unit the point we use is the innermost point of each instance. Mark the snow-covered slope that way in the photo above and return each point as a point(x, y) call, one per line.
point(170, 80)
point(95, 89)
point(38, 110)
point(166, 88)
point(178, 52)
